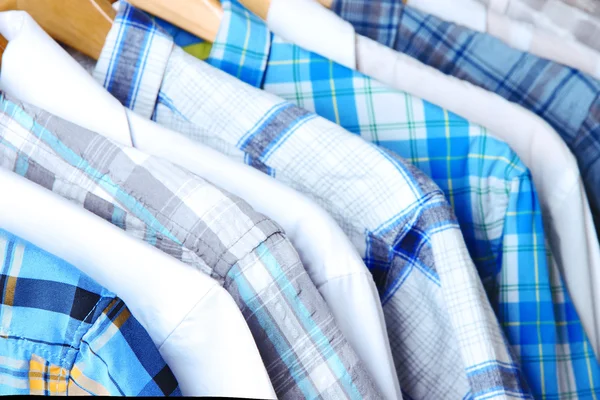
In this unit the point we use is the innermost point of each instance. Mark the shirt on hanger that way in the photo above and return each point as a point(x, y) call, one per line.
point(396, 217)
point(566, 213)
point(520, 35)
point(221, 361)
point(572, 237)
point(565, 98)
point(36, 69)
point(63, 334)
point(500, 218)
point(195, 222)
point(553, 16)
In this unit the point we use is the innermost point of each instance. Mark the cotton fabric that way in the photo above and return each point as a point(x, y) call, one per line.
point(193, 221)
point(571, 233)
point(567, 99)
point(382, 203)
point(331, 261)
point(64, 334)
point(292, 72)
point(222, 361)
point(591, 7)
point(553, 16)
point(566, 212)
point(517, 34)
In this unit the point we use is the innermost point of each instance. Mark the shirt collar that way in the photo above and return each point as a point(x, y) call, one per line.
point(242, 45)
point(134, 59)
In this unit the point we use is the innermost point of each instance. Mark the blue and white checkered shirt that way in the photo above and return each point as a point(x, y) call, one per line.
point(566, 98)
point(445, 337)
point(488, 187)
point(63, 334)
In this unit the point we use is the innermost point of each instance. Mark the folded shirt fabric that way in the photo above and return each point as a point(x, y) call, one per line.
point(567, 99)
point(220, 361)
point(520, 35)
point(195, 222)
point(566, 212)
point(396, 217)
point(64, 334)
point(499, 225)
point(36, 69)
point(554, 16)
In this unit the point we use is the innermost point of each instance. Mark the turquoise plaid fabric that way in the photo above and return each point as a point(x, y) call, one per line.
point(489, 188)
point(446, 340)
point(566, 98)
point(63, 334)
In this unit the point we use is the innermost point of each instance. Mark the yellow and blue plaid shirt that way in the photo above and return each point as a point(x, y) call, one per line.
point(63, 334)
point(489, 188)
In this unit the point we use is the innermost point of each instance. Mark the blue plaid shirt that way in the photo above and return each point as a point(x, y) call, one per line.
point(63, 334)
point(488, 186)
point(566, 98)
point(444, 335)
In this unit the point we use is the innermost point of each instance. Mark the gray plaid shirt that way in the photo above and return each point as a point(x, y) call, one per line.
point(304, 351)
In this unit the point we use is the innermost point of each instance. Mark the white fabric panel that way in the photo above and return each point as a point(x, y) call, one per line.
point(332, 37)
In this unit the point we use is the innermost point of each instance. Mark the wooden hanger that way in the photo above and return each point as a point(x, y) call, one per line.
point(199, 17)
point(261, 7)
point(80, 24)
point(3, 44)
point(258, 7)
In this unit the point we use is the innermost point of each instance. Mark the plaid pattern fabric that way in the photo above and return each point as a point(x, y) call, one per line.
point(567, 99)
point(488, 187)
point(304, 351)
point(63, 334)
point(445, 338)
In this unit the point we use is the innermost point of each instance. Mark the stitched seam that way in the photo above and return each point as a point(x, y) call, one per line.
point(196, 237)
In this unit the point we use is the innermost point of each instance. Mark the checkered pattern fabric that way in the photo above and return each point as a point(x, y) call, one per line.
point(566, 98)
point(446, 340)
point(304, 351)
point(488, 187)
point(63, 334)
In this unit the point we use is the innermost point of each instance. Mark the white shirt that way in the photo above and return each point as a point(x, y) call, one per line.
point(36, 70)
point(567, 216)
point(520, 35)
point(552, 16)
point(174, 302)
